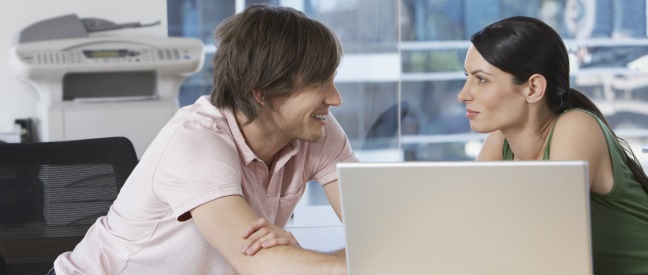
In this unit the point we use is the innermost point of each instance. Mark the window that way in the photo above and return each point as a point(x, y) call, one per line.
point(403, 66)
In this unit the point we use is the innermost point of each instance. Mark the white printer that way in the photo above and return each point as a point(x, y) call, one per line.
point(102, 86)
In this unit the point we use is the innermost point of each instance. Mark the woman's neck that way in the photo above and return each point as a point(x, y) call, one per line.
point(529, 141)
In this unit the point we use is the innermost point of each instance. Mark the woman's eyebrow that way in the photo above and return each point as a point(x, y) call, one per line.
point(478, 71)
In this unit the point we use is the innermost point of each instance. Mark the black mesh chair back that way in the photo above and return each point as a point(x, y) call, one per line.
point(52, 192)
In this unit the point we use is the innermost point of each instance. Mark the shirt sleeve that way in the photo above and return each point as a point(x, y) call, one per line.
point(198, 165)
point(328, 152)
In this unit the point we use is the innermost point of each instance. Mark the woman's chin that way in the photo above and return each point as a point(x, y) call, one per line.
point(480, 130)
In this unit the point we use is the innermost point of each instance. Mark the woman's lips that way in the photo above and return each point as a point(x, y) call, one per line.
point(470, 114)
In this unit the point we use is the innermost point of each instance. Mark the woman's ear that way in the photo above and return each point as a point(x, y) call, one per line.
point(537, 88)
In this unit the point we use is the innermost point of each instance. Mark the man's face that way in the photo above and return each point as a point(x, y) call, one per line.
point(304, 114)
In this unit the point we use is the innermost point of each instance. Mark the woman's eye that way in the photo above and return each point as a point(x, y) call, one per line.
point(481, 80)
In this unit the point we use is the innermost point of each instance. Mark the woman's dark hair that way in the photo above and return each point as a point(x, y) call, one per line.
point(275, 50)
point(523, 46)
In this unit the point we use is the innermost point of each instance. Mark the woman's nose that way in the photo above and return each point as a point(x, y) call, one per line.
point(463, 95)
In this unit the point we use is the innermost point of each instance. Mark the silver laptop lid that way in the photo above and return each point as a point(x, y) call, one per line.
point(523, 217)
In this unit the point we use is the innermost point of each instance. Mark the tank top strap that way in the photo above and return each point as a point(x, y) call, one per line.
point(507, 154)
point(545, 156)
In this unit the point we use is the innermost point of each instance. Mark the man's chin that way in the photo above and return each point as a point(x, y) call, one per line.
point(313, 138)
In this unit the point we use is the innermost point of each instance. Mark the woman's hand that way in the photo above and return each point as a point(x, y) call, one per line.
point(263, 234)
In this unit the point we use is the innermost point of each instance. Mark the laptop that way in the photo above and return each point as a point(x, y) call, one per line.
point(505, 217)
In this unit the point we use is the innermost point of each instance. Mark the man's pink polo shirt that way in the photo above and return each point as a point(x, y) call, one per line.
point(199, 156)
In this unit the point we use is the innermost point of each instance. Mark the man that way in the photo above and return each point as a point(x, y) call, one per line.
point(214, 190)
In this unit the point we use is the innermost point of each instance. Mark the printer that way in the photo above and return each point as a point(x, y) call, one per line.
point(92, 87)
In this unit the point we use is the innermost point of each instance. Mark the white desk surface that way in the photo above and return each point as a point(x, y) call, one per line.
point(317, 227)
point(319, 238)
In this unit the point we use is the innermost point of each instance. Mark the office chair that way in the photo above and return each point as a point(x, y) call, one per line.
point(52, 192)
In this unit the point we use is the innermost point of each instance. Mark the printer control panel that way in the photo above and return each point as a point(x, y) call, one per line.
point(108, 56)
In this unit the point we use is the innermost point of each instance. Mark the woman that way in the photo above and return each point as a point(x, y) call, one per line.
point(518, 91)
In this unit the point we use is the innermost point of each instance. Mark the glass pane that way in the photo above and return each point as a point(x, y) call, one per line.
point(403, 66)
point(434, 126)
point(606, 40)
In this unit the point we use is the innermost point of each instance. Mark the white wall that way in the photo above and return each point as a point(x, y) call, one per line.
point(18, 99)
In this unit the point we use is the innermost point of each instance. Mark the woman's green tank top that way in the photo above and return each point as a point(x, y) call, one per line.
point(619, 219)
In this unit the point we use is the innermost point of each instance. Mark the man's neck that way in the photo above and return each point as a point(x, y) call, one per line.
point(263, 143)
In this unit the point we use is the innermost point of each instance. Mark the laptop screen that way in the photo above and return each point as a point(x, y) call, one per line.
point(523, 217)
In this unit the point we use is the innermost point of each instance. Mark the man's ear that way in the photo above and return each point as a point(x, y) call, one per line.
point(537, 88)
point(259, 97)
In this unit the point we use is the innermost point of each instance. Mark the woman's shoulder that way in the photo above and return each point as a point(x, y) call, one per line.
point(578, 120)
point(578, 130)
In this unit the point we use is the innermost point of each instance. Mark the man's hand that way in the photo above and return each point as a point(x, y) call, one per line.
point(263, 234)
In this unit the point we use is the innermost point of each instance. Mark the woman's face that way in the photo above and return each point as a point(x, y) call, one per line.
point(493, 101)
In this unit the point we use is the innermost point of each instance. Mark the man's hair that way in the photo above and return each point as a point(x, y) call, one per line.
point(273, 50)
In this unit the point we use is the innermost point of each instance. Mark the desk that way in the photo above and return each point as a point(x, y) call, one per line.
point(20, 243)
point(316, 227)
point(319, 238)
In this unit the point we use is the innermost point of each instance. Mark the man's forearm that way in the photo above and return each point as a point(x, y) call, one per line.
point(291, 260)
